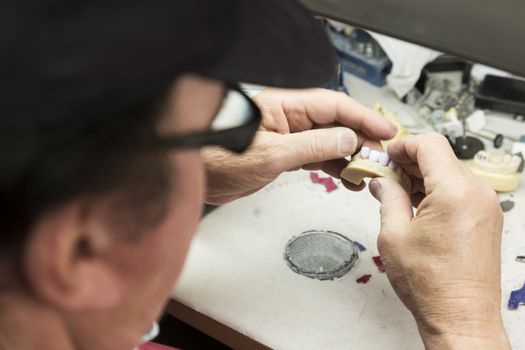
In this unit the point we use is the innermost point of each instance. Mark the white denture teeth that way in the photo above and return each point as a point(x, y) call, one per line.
point(383, 159)
point(374, 156)
point(365, 151)
point(392, 165)
point(371, 163)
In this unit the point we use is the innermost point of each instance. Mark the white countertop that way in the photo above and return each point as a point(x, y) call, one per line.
point(236, 273)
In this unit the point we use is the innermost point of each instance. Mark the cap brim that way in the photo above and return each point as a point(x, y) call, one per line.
point(279, 43)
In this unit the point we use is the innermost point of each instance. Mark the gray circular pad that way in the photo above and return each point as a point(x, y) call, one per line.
point(323, 255)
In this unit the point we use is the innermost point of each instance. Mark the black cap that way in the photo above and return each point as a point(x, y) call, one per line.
point(63, 59)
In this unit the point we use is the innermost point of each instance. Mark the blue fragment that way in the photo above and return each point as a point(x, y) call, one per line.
point(359, 246)
point(517, 298)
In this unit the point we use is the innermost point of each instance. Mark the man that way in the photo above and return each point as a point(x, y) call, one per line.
point(103, 109)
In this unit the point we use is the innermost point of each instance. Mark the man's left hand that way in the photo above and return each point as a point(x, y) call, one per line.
point(313, 129)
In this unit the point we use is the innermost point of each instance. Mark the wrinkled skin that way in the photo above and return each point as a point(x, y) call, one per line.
point(444, 262)
point(313, 129)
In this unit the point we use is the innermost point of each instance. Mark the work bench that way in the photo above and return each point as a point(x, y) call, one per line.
point(237, 288)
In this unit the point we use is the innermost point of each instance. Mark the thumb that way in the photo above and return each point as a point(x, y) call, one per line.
point(317, 145)
point(396, 207)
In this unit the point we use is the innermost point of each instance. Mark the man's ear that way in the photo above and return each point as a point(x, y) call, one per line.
point(67, 260)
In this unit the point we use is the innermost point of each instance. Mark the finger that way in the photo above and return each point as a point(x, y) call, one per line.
point(431, 152)
point(412, 169)
point(418, 186)
point(396, 207)
point(313, 166)
point(416, 199)
point(360, 118)
point(353, 187)
point(313, 146)
point(331, 167)
point(364, 141)
point(324, 106)
point(334, 167)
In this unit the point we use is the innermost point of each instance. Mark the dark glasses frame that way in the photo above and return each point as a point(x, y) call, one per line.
point(236, 139)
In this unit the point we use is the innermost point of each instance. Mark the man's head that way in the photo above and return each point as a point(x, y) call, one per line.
point(109, 261)
point(96, 223)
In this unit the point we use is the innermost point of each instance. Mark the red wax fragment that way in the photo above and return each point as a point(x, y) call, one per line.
point(327, 182)
point(379, 263)
point(363, 279)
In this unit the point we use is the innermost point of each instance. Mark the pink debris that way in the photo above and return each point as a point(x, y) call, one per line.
point(364, 279)
point(379, 263)
point(327, 182)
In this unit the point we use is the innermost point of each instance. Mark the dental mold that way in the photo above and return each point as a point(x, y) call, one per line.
point(372, 163)
point(497, 170)
point(363, 167)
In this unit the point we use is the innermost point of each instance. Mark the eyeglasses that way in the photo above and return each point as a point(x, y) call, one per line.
point(233, 128)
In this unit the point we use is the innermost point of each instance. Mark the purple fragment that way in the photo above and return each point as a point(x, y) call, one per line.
point(517, 298)
point(359, 246)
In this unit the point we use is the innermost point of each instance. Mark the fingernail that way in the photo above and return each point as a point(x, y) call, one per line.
point(394, 129)
point(347, 142)
point(375, 189)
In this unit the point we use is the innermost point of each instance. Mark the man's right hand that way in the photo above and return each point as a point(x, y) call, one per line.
point(444, 262)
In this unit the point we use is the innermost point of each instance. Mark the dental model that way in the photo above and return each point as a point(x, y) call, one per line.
point(498, 171)
point(371, 163)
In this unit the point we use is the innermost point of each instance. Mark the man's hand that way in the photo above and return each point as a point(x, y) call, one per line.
point(314, 129)
point(444, 262)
